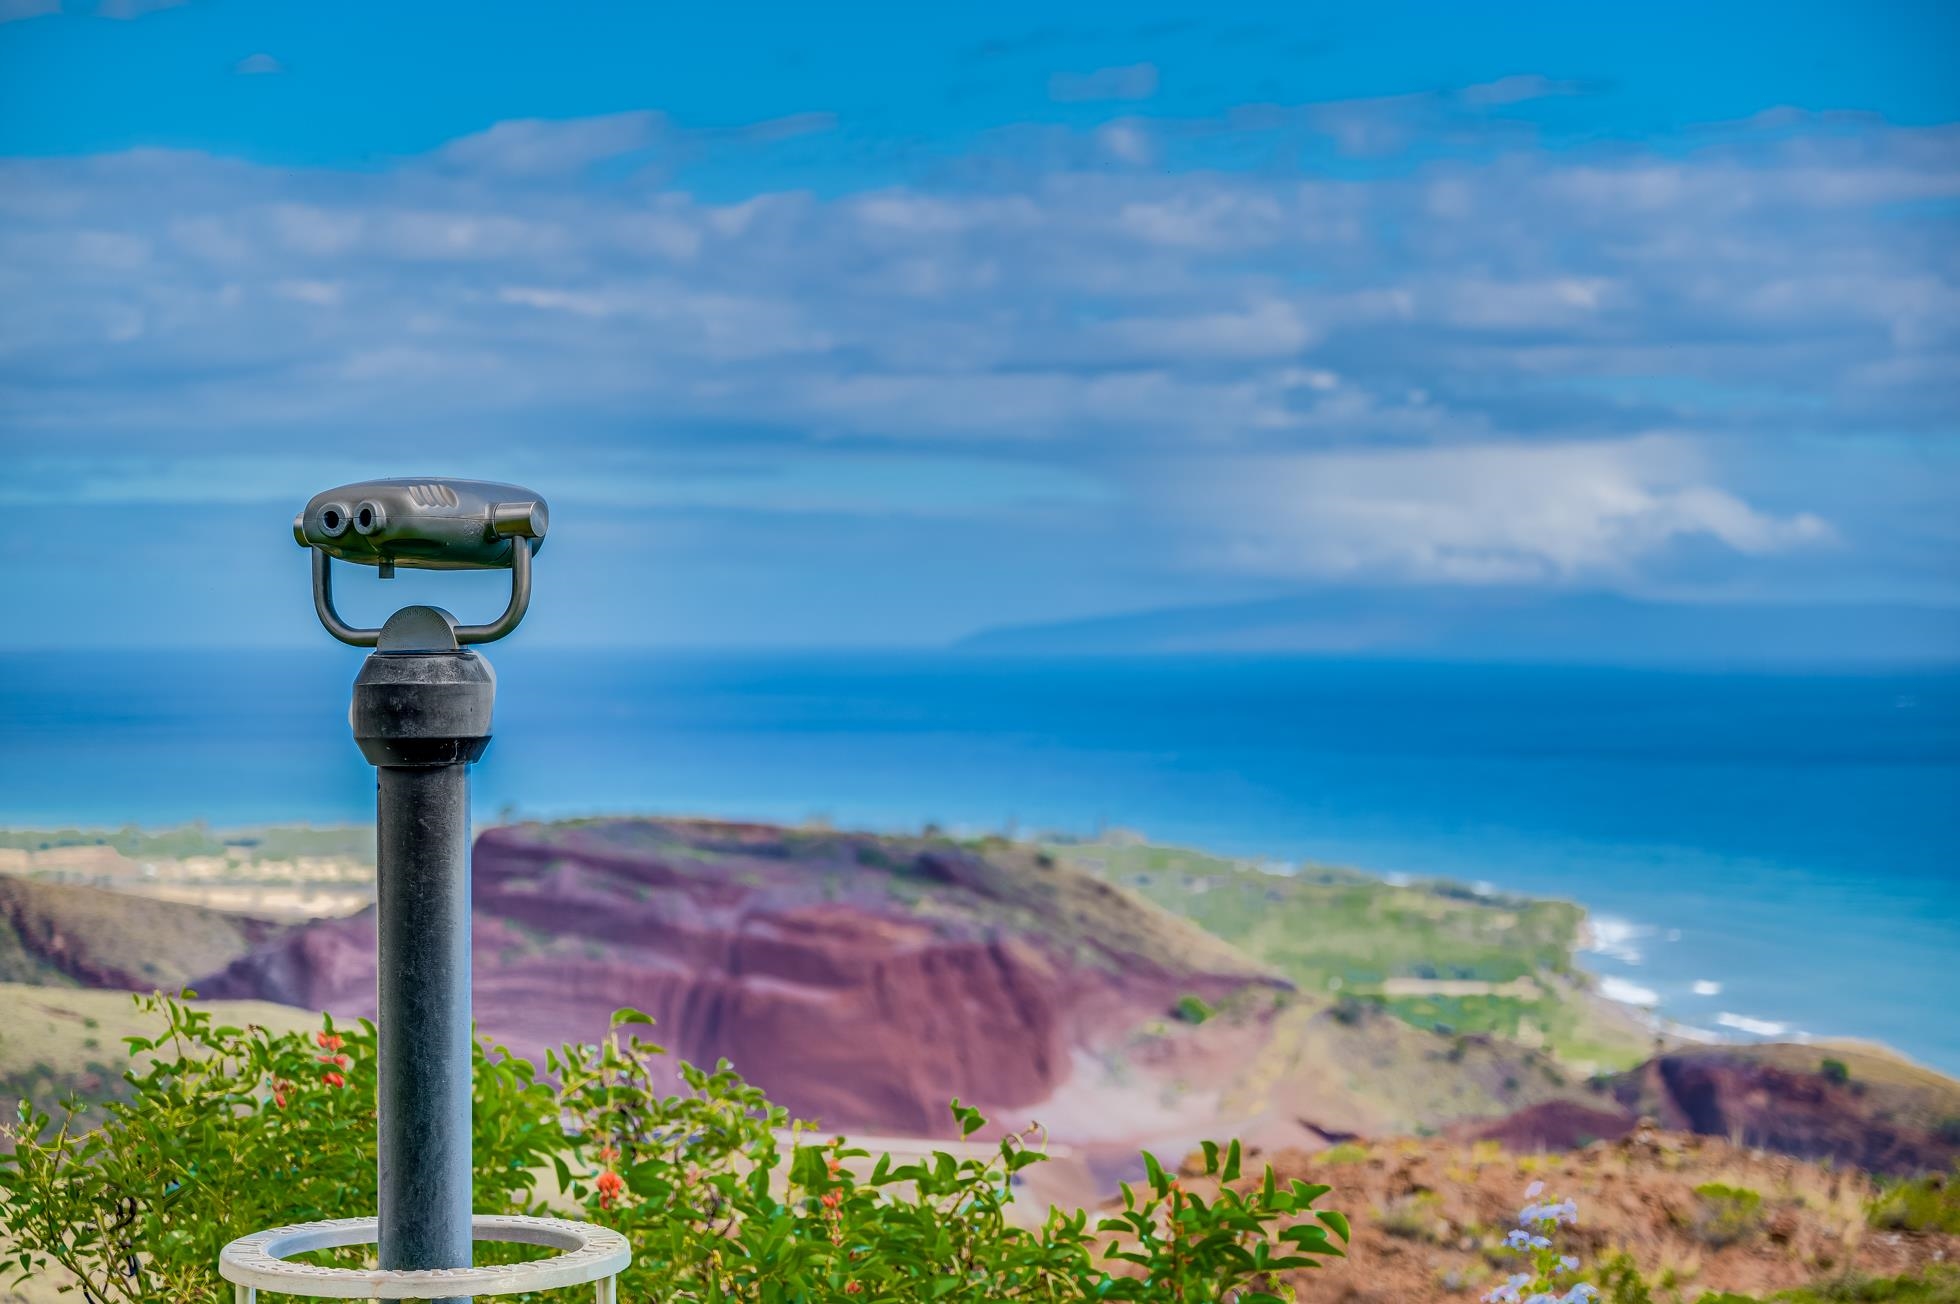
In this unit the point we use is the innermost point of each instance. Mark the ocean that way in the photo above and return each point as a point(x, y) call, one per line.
point(1763, 854)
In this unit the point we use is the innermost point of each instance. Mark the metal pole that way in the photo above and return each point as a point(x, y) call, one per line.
point(421, 714)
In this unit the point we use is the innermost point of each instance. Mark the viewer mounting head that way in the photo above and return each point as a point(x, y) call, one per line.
point(424, 523)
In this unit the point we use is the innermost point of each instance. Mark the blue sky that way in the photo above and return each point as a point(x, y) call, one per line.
point(883, 325)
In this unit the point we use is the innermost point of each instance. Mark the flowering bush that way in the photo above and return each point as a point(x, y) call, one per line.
point(231, 1130)
point(1532, 1239)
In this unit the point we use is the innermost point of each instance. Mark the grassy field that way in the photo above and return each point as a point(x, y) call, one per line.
point(58, 1041)
point(1343, 934)
point(273, 842)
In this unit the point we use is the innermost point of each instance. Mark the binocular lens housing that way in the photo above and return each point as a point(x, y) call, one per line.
point(425, 524)
point(334, 519)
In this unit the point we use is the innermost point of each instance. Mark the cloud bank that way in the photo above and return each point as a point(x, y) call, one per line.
point(1479, 361)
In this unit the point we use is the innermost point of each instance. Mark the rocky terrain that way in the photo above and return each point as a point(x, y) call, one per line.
point(866, 980)
point(1855, 1106)
point(1427, 1051)
point(1691, 1214)
point(863, 981)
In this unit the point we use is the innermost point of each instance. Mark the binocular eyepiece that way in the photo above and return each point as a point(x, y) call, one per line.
point(424, 524)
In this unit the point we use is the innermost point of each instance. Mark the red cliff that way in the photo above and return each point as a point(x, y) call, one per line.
point(863, 981)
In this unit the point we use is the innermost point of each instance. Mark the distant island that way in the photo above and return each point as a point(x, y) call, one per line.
point(1497, 624)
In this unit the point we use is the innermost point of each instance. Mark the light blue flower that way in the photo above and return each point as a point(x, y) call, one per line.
point(1583, 1293)
point(1508, 1292)
point(1564, 1211)
point(1568, 1263)
point(1533, 1191)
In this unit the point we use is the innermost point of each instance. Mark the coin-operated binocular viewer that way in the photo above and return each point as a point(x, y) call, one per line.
point(421, 716)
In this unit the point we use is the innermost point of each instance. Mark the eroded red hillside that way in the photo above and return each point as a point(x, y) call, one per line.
point(863, 981)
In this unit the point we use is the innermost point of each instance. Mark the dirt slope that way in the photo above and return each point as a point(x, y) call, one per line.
point(1869, 1109)
point(861, 980)
point(64, 934)
point(1429, 1217)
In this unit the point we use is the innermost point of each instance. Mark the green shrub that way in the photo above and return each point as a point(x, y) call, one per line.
point(1835, 1070)
point(1352, 1011)
point(1417, 1217)
point(233, 1130)
point(1923, 1204)
point(1620, 1282)
point(1728, 1214)
point(1192, 1009)
point(1937, 1283)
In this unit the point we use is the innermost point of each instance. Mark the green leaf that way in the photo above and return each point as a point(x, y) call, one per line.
point(648, 1179)
point(1338, 1221)
point(1231, 1173)
point(627, 1014)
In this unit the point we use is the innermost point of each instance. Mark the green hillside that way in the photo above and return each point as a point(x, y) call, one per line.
point(1437, 955)
point(272, 842)
point(63, 933)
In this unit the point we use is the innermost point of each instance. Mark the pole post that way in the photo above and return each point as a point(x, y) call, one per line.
point(421, 715)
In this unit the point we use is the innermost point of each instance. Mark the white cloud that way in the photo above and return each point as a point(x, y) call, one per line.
point(1266, 329)
point(1127, 142)
point(318, 294)
point(539, 147)
point(258, 65)
point(1209, 219)
point(1488, 513)
point(1439, 370)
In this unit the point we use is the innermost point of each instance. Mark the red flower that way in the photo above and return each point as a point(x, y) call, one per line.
point(852, 1288)
point(333, 1079)
point(609, 1188)
point(608, 1153)
point(328, 1040)
point(831, 1199)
